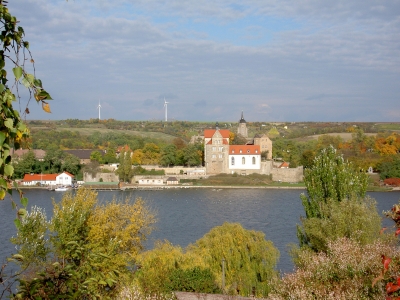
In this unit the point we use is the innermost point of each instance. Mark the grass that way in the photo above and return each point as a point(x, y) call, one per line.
point(100, 128)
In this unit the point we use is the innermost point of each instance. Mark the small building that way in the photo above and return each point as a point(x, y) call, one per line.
point(83, 154)
point(172, 180)
point(244, 159)
point(39, 179)
point(151, 181)
point(64, 178)
point(17, 154)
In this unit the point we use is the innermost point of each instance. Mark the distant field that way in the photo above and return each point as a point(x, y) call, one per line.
point(89, 131)
point(346, 136)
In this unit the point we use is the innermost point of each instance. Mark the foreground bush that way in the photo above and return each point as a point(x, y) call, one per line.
point(353, 218)
point(84, 252)
point(346, 271)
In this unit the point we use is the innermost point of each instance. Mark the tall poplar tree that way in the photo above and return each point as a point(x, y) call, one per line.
point(335, 203)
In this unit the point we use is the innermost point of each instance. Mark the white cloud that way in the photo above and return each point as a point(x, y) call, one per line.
point(314, 60)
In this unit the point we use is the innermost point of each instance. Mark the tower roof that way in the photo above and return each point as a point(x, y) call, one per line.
point(242, 120)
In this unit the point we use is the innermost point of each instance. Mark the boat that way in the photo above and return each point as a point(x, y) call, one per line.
point(61, 189)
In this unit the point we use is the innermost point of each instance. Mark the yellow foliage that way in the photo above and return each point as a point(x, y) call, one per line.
point(46, 107)
point(119, 228)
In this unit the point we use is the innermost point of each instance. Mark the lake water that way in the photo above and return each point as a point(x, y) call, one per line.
point(185, 215)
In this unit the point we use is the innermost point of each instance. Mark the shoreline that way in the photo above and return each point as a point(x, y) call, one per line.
point(213, 187)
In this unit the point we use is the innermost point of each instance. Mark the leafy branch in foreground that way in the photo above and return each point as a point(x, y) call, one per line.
point(13, 130)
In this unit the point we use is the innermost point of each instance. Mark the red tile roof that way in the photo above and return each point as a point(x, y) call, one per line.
point(284, 165)
point(246, 149)
point(208, 133)
point(40, 177)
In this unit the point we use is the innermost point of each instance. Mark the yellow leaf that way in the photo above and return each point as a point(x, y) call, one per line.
point(46, 107)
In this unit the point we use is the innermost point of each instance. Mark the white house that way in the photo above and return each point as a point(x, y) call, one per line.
point(244, 157)
point(64, 178)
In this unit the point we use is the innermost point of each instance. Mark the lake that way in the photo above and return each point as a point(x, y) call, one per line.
point(185, 215)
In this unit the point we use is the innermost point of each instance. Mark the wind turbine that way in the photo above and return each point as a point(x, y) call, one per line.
point(99, 107)
point(165, 106)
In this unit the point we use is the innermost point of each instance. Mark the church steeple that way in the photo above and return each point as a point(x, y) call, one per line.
point(242, 128)
point(242, 120)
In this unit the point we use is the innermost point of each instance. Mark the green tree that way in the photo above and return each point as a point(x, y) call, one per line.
point(249, 259)
point(110, 156)
point(26, 164)
point(330, 180)
point(53, 161)
point(390, 167)
point(96, 155)
point(168, 155)
point(71, 164)
point(125, 170)
point(192, 155)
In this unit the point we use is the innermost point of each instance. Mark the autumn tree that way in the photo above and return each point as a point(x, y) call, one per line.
point(85, 251)
point(248, 258)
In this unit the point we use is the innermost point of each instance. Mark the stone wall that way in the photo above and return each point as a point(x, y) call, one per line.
point(287, 174)
point(107, 177)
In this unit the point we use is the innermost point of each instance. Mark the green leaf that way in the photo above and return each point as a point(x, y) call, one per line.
point(38, 82)
point(8, 170)
point(17, 72)
point(9, 123)
point(25, 82)
point(3, 183)
point(24, 201)
point(2, 138)
point(17, 223)
point(2, 88)
point(43, 95)
point(22, 212)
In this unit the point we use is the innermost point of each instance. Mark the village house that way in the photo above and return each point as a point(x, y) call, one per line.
point(64, 178)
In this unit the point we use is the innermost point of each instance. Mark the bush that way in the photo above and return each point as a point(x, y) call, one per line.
point(346, 271)
point(392, 181)
point(356, 219)
point(195, 280)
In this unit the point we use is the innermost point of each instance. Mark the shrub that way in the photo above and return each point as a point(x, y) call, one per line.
point(356, 219)
point(192, 280)
point(346, 271)
point(392, 181)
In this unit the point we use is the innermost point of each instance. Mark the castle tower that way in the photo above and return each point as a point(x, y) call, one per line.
point(242, 129)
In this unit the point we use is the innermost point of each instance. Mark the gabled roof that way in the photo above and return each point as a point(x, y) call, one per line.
point(209, 133)
point(284, 165)
point(244, 149)
point(39, 153)
point(172, 179)
point(40, 177)
point(67, 173)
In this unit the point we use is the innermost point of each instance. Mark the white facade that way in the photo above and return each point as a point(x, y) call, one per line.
point(64, 179)
point(241, 162)
point(151, 181)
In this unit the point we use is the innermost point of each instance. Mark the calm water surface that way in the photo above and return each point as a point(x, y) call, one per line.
point(185, 215)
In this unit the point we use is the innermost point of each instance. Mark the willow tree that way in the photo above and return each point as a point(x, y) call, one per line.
point(14, 50)
point(242, 260)
point(335, 204)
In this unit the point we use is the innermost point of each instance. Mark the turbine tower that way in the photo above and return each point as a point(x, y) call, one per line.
point(165, 106)
point(99, 107)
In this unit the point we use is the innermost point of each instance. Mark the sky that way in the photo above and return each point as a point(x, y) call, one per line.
point(275, 60)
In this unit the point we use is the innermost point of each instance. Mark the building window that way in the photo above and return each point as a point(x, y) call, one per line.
point(256, 151)
point(254, 160)
point(221, 149)
point(233, 151)
point(232, 161)
point(214, 156)
point(220, 156)
point(240, 151)
point(214, 149)
point(248, 151)
point(243, 161)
